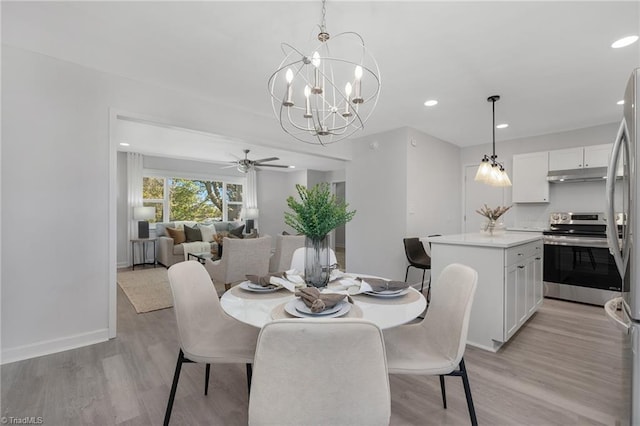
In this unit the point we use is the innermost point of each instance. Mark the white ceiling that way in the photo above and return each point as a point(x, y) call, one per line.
point(550, 61)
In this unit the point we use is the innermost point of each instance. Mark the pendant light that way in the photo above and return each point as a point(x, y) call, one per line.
point(490, 171)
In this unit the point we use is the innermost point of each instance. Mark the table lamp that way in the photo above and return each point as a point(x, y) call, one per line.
point(143, 214)
point(250, 214)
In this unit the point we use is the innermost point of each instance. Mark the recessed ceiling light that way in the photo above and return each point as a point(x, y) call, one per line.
point(625, 41)
point(502, 126)
point(431, 102)
point(124, 144)
point(620, 102)
point(292, 167)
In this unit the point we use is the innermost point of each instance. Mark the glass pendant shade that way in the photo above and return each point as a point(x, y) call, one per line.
point(484, 171)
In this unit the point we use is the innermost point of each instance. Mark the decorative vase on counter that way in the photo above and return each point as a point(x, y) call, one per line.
point(492, 228)
point(317, 267)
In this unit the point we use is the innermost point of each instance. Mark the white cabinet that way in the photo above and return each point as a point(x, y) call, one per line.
point(597, 155)
point(581, 157)
point(523, 285)
point(509, 282)
point(530, 183)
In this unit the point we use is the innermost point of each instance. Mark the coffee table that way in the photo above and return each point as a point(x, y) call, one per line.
point(201, 257)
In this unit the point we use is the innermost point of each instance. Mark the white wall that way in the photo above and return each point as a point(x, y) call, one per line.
point(578, 196)
point(273, 190)
point(434, 197)
point(55, 197)
point(376, 189)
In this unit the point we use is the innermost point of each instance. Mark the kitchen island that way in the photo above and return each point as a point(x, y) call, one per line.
point(509, 280)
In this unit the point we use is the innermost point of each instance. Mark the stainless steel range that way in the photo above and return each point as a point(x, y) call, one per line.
point(577, 263)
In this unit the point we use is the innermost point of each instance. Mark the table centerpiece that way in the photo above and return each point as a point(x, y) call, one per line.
point(316, 214)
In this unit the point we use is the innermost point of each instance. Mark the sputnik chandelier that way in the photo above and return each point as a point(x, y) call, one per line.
point(490, 171)
point(327, 93)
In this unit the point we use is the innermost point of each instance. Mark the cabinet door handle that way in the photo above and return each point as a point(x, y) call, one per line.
point(520, 254)
point(538, 258)
point(520, 266)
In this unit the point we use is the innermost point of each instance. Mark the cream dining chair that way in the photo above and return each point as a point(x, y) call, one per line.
point(285, 246)
point(297, 260)
point(206, 333)
point(435, 346)
point(239, 258)
point(320, 372)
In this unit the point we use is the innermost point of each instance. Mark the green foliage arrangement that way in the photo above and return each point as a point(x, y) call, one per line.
point(317, 213)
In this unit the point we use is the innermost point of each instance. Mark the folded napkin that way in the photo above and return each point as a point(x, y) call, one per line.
point(359, 285)
point(317, 301)
point(265, 280)
point(287, 279)
point(378, 284)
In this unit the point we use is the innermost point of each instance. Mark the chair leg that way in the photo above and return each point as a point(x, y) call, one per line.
point(207, 371)
point(429, 290)
point(249, 374)
point(174, 387)
point(467, 392)
point(422, 285)
point(444, 392)
point(406, 274)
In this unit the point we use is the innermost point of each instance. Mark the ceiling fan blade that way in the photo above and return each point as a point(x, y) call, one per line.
point(230, 166)
point(264, 160)
point(272, 165)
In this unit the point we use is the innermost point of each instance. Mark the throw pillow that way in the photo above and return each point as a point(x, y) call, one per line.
point(177, 235)
point(192, 233)
point(207, 231)
point(237, 232)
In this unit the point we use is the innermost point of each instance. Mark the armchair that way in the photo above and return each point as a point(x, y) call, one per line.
point(239, 258)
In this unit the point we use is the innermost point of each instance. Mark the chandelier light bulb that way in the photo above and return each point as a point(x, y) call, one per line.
point(347, 107)
point(307, 93)
point(288, 101)
point(357, 97)
point(315, 59)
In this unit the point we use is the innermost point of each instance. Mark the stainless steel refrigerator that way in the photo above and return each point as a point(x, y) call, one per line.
point(624, 243)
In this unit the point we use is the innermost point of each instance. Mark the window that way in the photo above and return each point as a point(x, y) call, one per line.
point(192, 199)
point(153, 196)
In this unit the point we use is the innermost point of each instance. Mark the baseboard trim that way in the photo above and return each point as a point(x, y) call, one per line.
point(48, 347)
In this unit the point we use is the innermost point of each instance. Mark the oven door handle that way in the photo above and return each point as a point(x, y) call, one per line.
point(610, 308)
point(612, 228)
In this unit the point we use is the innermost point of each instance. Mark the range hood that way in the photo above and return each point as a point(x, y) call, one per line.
point(590, 174)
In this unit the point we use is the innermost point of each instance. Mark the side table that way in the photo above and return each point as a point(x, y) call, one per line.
point(142, 242)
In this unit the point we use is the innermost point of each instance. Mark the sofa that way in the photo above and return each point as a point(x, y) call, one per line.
point(168, 252)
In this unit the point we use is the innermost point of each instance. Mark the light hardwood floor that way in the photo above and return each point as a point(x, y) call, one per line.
point(562, 368)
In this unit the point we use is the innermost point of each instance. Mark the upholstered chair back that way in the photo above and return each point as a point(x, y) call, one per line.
point(320, 372)
point(285, 246)
point(447, 320)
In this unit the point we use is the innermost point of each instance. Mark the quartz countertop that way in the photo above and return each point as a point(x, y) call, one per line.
point(505, 240)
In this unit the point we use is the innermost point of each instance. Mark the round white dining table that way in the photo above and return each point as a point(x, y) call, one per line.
point(257, 309)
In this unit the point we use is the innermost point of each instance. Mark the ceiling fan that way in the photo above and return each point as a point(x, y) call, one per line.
point(244, 164)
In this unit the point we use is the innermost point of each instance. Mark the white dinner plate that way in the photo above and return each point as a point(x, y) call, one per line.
point(257, 288)
point(297, 308)
point(388, 293)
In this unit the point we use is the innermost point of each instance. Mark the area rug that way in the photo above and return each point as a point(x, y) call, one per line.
point(147, 290)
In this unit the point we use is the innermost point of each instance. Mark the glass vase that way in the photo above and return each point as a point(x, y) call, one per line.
point(317, 268)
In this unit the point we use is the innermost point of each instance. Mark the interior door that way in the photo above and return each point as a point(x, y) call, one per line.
point(477, 194)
